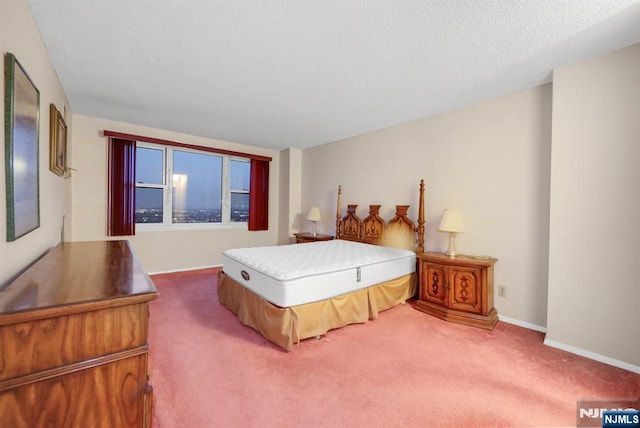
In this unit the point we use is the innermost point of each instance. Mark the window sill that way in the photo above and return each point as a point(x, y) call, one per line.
point(155, 227)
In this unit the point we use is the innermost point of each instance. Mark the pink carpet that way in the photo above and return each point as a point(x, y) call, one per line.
point(405, 368)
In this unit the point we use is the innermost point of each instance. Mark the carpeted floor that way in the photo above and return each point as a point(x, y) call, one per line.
point(405, 368)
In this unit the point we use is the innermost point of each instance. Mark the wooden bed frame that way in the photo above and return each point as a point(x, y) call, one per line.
point(287, 326)
point(399, 232)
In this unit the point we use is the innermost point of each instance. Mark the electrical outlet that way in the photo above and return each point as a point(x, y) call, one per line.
point(502, 291)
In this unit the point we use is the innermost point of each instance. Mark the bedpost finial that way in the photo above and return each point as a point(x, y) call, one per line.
point(421, 220)
point(338, 211)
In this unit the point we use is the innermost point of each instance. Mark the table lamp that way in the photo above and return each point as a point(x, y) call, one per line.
point(314, 216)
point(453, 223)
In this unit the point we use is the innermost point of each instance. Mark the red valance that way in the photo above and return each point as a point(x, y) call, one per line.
point(184, 145)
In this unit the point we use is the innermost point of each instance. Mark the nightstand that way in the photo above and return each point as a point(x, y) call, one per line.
point(308, 237)
point(458, 289)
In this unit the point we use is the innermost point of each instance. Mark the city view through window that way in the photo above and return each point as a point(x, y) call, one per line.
point(197, 188)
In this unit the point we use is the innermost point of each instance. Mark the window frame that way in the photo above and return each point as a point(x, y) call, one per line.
point(232, 191)
point(167, 191)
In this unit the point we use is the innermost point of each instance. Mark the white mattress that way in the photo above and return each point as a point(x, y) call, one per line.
point(290, 275)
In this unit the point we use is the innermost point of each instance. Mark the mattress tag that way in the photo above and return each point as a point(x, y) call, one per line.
point(358, 275)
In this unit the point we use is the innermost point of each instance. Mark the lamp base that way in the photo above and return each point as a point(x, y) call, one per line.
point(314, 230)
point(451, 251)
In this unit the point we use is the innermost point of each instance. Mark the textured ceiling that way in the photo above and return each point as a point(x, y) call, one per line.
point(287, 73)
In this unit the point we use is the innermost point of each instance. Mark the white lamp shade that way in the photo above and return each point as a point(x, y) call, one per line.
point(451, 221)
point(314, 214)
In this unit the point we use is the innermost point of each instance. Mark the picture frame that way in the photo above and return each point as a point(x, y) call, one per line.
point(21, 122)
point(57, 142)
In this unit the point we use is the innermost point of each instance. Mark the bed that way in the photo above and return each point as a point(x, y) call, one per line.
point(290, 293)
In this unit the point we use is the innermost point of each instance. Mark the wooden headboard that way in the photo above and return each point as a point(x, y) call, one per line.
point(399, 232)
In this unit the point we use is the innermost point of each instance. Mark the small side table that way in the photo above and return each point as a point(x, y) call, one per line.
point(458, 289)
point(308, 237)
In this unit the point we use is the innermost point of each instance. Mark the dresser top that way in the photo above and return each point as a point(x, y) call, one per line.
point(78, 277)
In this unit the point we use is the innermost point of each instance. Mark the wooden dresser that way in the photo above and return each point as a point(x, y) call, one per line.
point(458, 289)
point(308, 237)
point(73, 340)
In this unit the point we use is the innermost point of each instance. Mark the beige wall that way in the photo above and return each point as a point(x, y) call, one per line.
point(595, 207)
point(20, 36)
point(158, 251)
point(565, 232)
point(490, 160)
point(290, 194)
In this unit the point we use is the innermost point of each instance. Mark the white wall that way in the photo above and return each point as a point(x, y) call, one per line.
point(594, 290)
point(20, 36)
point(158, 251)
point(491, 160)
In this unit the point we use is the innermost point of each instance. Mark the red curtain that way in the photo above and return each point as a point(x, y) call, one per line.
point(121, 192)
point(259, 195)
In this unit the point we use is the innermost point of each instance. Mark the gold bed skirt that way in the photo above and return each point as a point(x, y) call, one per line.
point(288, 326)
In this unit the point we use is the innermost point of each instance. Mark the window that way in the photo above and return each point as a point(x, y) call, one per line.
point(149, 185)
point(180, 186)
point(164, 202)
point(239, 190)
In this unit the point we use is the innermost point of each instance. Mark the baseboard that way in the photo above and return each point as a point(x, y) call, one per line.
point(183, 270)
point(572, 349)
point(522, 324)
point(592, 356)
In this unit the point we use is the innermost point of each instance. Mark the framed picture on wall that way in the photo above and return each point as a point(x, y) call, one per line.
point(57, 142)
point(21, 120)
